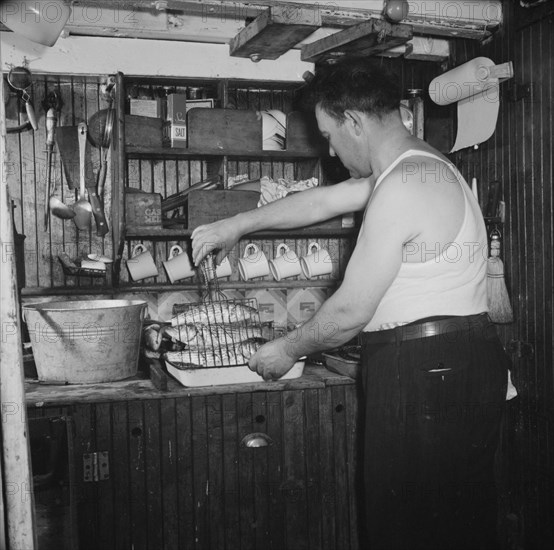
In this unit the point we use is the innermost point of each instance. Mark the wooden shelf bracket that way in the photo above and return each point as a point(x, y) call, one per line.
point(367, 38)
point(275, 31)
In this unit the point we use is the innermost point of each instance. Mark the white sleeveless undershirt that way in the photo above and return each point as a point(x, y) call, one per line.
point(451, 282)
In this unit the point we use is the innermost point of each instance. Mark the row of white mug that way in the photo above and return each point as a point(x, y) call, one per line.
point(253, 264)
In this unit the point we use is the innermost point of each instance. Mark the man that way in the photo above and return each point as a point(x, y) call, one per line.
point(433, 370)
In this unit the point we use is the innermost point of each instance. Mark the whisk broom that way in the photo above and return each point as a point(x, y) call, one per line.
point(500, 309)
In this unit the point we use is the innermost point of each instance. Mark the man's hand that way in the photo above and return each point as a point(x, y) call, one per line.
point(220, 236)
point(272, 360)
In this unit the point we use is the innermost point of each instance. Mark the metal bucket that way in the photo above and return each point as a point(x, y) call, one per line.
point(86, 341)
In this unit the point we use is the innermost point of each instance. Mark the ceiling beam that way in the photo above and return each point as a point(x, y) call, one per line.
point(471, 19)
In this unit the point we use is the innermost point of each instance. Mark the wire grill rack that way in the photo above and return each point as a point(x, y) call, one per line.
point(216, 332)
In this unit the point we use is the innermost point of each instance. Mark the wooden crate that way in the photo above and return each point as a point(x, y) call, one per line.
point(206, 206)
point(143, 210)
point(303, 135)
point(143, 131)
point(224, 130)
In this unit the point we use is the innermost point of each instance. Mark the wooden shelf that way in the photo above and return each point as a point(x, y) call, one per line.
point(166, 287)
point(366, 38)
point(133, 234)
point(306, 232)
point(301, 232)
point(184, 153)
point(214, 141)
point(231, 285)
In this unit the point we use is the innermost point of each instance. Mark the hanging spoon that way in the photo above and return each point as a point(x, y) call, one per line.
point(82, 208)
point(55, 205)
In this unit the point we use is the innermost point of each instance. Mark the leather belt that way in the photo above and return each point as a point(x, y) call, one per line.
point(426, 328)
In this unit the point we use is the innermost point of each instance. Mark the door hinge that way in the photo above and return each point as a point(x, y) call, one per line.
point(96, 466)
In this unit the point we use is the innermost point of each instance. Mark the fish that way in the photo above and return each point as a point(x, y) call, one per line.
point(152, 336)
point(215, 313)
point(186, 333)
point(249, 347)
point(228, 335)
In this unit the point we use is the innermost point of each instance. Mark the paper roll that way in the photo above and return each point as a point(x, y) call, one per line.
point(475, 89)
point(463, 82)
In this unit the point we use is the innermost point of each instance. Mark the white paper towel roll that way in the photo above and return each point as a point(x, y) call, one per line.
point(476, 91)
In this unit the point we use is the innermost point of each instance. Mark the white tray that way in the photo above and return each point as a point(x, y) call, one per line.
point(217, 376)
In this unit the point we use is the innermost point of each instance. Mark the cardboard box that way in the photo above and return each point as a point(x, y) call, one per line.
point(174, 135)
point(151, 108)
point(174, 132)
point(142, 210)
point(204, 103)
point(177, 109)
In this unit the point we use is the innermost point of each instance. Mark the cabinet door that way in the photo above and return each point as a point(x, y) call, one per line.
point(263, 470)
point(50, 440)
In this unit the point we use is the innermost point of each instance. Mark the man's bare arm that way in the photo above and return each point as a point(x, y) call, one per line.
point(296, 210)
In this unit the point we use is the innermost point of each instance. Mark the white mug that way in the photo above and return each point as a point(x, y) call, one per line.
point(253, 264)
point(285, 264)
point(224, 269)
point(141, 264)
point(317, 262)
point(178, 266)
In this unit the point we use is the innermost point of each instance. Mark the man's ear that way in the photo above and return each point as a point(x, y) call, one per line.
point(354, 120)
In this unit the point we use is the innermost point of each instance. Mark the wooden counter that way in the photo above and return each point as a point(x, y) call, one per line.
point(153, 470)
point(48, 395)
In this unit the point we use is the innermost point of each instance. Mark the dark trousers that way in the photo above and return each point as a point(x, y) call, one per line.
point(433, 411)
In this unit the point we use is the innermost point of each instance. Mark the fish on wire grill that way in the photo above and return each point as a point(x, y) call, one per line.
point(217, 331)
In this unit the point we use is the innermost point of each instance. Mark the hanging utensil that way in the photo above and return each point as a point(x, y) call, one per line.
point(68, 146)
point(100, 131)
point(53, 204)
point(19, 78)
point(82, 208)
point(97, 208)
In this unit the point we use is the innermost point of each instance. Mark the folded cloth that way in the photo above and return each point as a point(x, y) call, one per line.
point(271, 190)
point(232, 181)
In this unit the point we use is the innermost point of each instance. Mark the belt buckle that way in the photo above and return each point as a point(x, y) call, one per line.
point(430, 329)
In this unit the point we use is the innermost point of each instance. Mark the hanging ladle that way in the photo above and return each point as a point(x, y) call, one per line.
point(55, 205)
point(19, 78)
point(82, 208)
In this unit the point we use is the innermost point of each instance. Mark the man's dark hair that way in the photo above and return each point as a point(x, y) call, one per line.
point(355, 83)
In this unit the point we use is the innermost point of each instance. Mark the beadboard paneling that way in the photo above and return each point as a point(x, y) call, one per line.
point(520, 156)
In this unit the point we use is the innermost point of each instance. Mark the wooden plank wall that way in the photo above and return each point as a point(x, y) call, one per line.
point(26, 173)
point(520, 156)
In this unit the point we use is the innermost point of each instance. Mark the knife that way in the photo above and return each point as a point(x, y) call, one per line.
point(97, 208)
